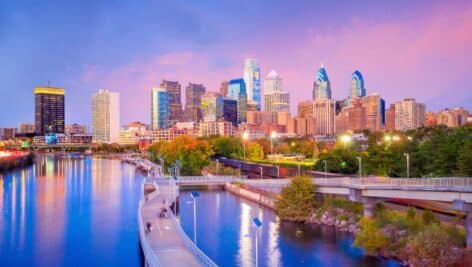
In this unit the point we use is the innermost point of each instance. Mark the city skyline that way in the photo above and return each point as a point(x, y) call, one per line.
point(401, 56)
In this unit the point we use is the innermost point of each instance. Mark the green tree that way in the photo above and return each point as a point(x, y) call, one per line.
point(229, 147)
point(464, 160)
point(297, 200)
point(254, 151)
point(370, 237)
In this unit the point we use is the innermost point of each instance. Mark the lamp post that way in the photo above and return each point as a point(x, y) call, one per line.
point(217, 166)
point(194, 195)
point(258, 225)
point(299, 167)
point(245, 136)
point(260, 167)
point(360, 166)
point(174, 193)
point(326, 169)
point(407, 155)
point(345, 139)
point(162, 165)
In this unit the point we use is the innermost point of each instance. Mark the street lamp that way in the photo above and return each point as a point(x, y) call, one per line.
point(217, 166)
point(273, 135)
point(245, 137)
point(162, 165)
point(194, 195)
point(258, 225)
point(260, 167)
point(345, 139)
point(407, 155)
point(174, 193)
point(360, 166)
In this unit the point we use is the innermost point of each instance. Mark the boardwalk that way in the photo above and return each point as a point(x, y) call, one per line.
point(166, 244)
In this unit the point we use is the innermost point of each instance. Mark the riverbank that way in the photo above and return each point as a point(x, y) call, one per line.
point(15, 161)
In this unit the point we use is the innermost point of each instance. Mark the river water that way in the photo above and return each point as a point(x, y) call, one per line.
point(69, 211)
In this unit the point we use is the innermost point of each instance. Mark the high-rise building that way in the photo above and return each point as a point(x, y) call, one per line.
point(321, 86)
point(230, 110)
point(452, 117)
point(375, 111)
point(175, 103)
point(49, 110)
point(324, 113)
point(212, 106)
point(224, 88)
point(193, 95)
point(252, 78)
point(357, 86)
point(352, 118)
point(305, 108)
point(390, 118)
point(159, 108)
point(409, 114)
point(106, 116)
point(237, 91)
point(275, 99)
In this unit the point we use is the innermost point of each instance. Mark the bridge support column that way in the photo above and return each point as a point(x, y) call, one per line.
point(369, 206)
point(467, 209)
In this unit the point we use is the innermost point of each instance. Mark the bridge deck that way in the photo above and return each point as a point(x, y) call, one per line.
point(165, 239)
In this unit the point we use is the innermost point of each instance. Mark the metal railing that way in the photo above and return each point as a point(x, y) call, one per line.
point(149, 255)
point(204, 259)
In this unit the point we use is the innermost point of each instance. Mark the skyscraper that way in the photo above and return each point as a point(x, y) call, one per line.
point(324, 113)
point(106, 116)
point(230, 110)
point(252, 78)
point(224, 88)
point(212, 106)
point(409, 114)
point(390, 118)
point(159, 108)
point(237, 91)
point(357, 86)
point(175, 102)
point(49, 110)
point(193, 94)
point(321, 86)
point(275, 100)
point(375, 111)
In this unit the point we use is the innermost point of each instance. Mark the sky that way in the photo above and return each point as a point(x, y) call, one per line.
point(420, 49)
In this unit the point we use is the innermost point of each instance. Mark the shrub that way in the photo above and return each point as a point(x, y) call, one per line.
point(297, 200)
point(429, 217)
point(370, 237)
point(411, 213)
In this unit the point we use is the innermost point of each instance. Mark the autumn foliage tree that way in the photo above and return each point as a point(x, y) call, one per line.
point(297, 200)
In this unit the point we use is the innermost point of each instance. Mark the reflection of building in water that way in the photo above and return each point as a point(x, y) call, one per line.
point(245, 253)
point(49, 166)
point(273, 251)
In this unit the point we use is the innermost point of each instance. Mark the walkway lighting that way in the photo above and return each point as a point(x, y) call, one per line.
point(407, 155)
point(360, 166)
point(258, 225)
point(194, 195)
point(273, 135)
point(245, 137)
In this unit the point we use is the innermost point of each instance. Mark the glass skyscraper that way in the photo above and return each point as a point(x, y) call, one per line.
point(49, 110)
point(252, 78)
point(159, 108)
point(321, 86)
point(106, 116)
point(357, 85)
point(237, 91)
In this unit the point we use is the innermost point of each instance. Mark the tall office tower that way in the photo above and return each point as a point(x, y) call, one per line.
point(159, 108)
point(252, 78)
point(324, 113)
point(305, 108)
point(237, 91)
point(357, 86)
point(352, 118)
point(275, 100)
point(212, 106)
point(390, 118)
point(175, 103)
point(321, 86)
point(49, 110)
point(106, 116)
point(193, 95)
point(375, 111)
point(224, 88)
point(452, 117)
point(409, 114)
point(230, 110)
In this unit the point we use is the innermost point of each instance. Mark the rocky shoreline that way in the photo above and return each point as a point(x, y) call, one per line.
point(343, 220)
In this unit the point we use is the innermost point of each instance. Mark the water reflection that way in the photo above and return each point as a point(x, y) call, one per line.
point(280, 243)
point(70, 211)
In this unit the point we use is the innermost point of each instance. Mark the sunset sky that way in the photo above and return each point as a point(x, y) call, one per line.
point(420, 49)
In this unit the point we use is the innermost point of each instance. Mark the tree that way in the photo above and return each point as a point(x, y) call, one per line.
point(370, 237)
point(254, 151)
point(229, 147)
point(464, 160)
point(297, 200)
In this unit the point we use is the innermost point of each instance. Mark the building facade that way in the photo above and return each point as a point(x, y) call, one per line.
point(212, 106)
point(106, 116)
point(72, 129)
point(275, 99)
point(357, 88)
point(230, 110)
point(26, 128)
point(173, 89)
point(237, 91)
point(252, 78)
point(324, 113)
point(193, 95)
point(159, 108)
point(390, 118)
point(409, 114)
point(224, 88)
point(49, 110)
point(375, 112)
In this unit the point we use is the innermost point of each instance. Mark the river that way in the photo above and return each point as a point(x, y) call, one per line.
point(70, 211)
